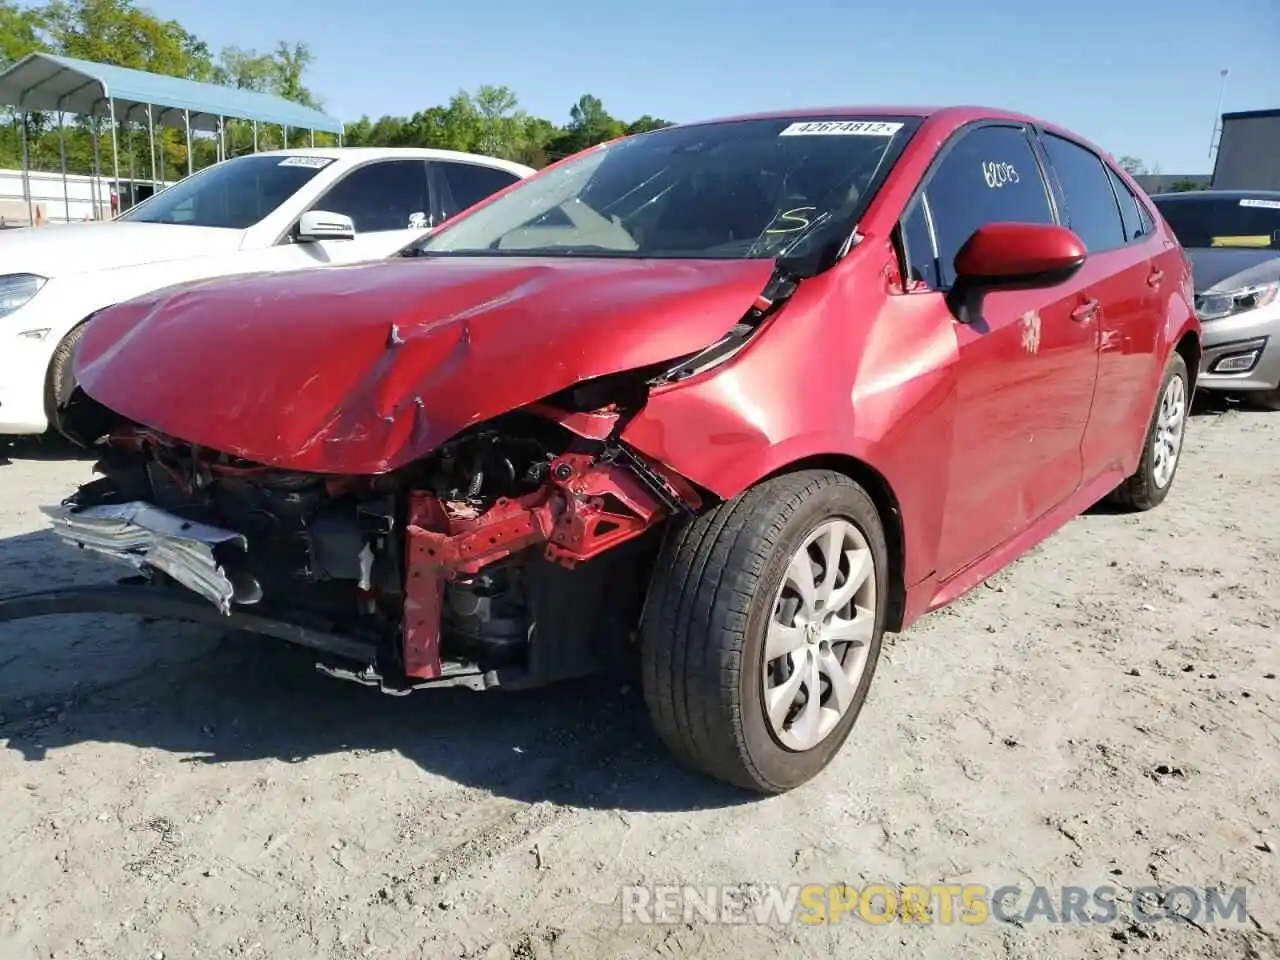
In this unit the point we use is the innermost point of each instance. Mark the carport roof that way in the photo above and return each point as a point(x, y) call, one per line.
point(43, 81)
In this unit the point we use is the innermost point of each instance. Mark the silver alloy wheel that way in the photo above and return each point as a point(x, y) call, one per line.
point(1167, 438)
point(819, 635)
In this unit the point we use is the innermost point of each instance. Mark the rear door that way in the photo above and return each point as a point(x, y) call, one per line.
point(1123, 279)
point(1026, 368)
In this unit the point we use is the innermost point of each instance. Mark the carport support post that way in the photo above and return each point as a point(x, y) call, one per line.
point(255, 136)
point(284, 134)
point(26, 173)
point(115, 157)
point(186, 122)
point(96, 181)
point(151, 141)
point(222, 138)
point(313, 137)
point(62, 156)
point(133, 173)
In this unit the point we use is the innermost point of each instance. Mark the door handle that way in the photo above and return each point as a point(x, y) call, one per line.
point(1155, 278)
point(1086, 311)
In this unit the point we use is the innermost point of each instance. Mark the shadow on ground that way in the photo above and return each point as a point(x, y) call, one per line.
point(47, 448)
point(211, 698)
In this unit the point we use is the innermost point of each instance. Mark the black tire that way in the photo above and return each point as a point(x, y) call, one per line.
point(61, 380)
point(1141, 491)
point(703, 634)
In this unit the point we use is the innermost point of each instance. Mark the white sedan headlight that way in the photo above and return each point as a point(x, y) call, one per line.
point(16, 289)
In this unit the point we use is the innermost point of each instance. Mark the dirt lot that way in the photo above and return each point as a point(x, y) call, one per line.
point(1104, 712)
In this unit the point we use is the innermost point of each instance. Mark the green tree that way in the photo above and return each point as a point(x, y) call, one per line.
point(290, 62)
point(20, 33)
point(500, 121)
point(1132, 165)
point(589, 124)
point(245, 69)
point(122, 34)
point(645, 124)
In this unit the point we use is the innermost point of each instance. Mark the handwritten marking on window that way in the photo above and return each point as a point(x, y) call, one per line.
point(997, 173)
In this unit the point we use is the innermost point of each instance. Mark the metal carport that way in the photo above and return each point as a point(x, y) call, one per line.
point(48, 83)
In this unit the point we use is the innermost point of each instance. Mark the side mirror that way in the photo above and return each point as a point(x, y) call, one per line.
point(317, 225)
point(1018, 256)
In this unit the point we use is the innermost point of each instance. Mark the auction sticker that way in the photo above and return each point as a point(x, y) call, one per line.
point(1265, 204)
point(315, 163)
point(842, 128)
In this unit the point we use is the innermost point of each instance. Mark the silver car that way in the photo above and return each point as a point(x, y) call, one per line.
point(1233, 240)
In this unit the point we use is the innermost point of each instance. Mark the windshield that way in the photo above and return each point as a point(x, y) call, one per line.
point(235, 193)
point(1252, 222)
point(730, 190)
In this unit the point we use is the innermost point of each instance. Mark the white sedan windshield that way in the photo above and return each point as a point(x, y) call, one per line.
point(235, 193)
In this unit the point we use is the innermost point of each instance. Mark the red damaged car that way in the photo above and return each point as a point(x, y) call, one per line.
point(737, 395)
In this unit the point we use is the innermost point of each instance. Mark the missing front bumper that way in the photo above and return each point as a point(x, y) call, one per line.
point(144, 536)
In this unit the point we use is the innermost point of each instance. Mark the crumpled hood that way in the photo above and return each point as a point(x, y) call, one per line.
point(364, 368)
point(74, 248)
point(1222, 269)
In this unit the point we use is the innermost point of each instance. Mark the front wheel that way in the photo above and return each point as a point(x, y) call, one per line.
point(764, 630)
point(1162, 449)
point(60, 381)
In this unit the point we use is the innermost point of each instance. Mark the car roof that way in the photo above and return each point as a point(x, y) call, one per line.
point(364, 154)
point(945, 117)
point(1218, 195)
point(958, 114)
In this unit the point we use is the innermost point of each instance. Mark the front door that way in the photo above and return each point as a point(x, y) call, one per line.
point(390, 205)
point(1027, 364)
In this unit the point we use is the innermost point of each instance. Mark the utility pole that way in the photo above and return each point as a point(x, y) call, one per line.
point(1217, 114)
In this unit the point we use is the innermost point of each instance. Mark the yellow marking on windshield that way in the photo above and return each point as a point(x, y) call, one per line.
point(1264, 240)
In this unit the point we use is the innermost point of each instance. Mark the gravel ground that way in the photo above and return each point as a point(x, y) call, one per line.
point(1104, 712)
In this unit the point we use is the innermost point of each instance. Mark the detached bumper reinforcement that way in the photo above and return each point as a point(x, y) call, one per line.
point(168, 604)
point(143, 535)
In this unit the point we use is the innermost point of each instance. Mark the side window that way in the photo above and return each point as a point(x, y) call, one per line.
point(1144, 217)
point(1128, 208)
point(917, 241)
point(463, 184)
point(386, 195)
point(990, 175)
point(1092, 211)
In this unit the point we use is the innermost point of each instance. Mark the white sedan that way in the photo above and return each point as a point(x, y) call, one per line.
point(274, 211)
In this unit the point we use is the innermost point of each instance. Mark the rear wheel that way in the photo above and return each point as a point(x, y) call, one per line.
point(1162, 450)
point(765, 628)
point(61, 379)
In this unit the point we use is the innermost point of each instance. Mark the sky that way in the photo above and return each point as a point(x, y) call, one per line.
point(1138, 78)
